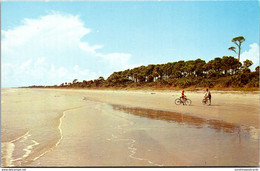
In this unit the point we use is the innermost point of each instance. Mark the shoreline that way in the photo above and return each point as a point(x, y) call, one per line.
point(152, 90)
point(231, 89)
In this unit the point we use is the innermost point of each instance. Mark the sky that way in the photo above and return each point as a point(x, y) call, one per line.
point(49, 43)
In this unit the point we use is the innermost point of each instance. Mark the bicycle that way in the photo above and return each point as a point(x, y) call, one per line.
point(179, 101)
point(205, 101)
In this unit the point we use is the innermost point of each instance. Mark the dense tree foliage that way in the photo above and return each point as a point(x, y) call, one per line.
point(219, 72)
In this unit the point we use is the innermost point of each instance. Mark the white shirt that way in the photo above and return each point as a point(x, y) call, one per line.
point(207, 94)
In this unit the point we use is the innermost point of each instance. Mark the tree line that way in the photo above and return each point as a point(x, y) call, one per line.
point(220, 72)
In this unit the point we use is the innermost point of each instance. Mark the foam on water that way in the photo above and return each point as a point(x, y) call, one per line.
point(7, 149)
point(28, 144)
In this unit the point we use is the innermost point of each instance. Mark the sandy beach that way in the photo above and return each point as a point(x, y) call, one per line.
point(81, 128)
point(234, 107)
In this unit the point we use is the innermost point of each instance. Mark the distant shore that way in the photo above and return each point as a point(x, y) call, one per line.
point(154, 88)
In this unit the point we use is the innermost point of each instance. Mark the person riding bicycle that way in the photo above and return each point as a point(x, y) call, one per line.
point(182, 100)
point(208, 95)
point(183, 97)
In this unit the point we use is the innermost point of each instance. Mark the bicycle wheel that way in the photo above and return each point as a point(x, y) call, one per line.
point(188, 102)
point(204, 101)
point(178, 101)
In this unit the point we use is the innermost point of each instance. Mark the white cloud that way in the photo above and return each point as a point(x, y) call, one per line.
point(252, 54)
point(42, 73)
point(49, 50)
point(26, 64)
point(86, 47)
point(48, 31)
point(116, 60)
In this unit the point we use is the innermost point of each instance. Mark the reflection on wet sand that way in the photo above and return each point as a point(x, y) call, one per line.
point(180, 118)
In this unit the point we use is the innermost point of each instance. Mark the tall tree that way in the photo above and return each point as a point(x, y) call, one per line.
point(238, 41)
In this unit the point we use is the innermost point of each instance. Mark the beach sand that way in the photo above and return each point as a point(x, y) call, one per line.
point(234, 107)
point(81, 128)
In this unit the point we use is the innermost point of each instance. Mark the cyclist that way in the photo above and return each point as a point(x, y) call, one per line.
point(208, 95)
point(183, 97)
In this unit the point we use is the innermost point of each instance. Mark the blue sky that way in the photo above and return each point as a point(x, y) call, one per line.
point(47, 43)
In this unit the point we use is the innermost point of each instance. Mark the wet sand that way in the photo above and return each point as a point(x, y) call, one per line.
point(127, 128)
point(234, 107)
